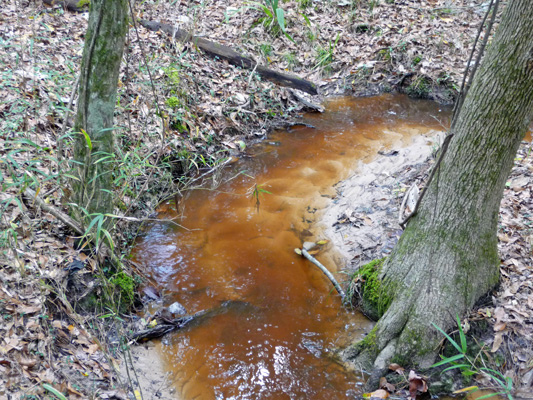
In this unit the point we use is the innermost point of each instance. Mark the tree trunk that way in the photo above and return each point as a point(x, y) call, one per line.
point(447, 257)
point(94, 145)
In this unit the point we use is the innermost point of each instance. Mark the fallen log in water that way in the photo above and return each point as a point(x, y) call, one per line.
point(166, 325)
point(227, 53)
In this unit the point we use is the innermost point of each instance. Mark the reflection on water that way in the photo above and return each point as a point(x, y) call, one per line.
point(275, 338)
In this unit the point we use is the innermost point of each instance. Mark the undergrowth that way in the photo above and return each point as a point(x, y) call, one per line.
point(473, 362)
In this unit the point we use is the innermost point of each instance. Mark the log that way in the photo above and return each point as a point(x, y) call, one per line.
point(165, 325)
point(227, 53)
point(71, 5)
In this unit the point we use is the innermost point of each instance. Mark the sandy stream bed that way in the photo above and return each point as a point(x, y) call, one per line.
point(369, 194)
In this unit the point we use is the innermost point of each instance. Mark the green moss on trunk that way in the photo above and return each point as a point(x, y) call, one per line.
point(94, 145)
point(375, 296)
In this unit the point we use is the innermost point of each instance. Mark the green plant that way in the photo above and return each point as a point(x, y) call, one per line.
point(420, 87)
point(386, 54)
point(125, 286)
point(291, 60)
point(469, 367)
point(276, 15)
point(173, 102)
point(371, 5)
point(265, 49)
point(303, 4)
point(256, 192)
point(54, 391)
point(273, 19)
point(325, 55)
point(97, 232)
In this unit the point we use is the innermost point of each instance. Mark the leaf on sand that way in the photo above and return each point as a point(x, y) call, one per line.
point(377, 394)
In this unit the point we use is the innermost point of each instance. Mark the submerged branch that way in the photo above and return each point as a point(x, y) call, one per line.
point(326, 272)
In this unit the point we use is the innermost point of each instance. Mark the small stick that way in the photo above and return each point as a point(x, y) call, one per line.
point(31, 195)
point(306, 254)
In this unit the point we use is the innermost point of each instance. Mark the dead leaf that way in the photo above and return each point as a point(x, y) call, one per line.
point(383, 384)
point(397, 368)
point(498, 340)
point(28, 309)
point(416, 384)
point(377, 394)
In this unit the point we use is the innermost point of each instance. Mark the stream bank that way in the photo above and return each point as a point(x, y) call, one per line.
point(231, 249)
point(42, 48)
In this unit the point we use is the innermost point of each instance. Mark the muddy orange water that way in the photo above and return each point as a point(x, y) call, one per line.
point(280, 319)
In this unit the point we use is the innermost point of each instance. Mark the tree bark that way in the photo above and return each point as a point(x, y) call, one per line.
point(102, 55)
point(447, 257)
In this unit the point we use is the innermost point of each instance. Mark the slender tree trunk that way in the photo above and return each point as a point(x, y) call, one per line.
point(94, 145)
point(447, 257)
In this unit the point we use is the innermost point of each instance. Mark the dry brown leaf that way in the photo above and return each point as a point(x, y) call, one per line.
point(498, 340)
point(377, 394)
point(383, 384)
point(397, 368)
point(416, 384)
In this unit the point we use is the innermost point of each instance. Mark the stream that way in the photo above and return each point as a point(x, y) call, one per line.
point(282, 320)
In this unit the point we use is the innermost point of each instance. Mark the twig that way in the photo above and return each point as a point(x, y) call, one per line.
point(330, 276)
point(188, 184)
point(443, 150)
point(31, 195)
point(251, 75)
point(465, 73)
point(482, 49)
point(65, 122)
point(458, 105)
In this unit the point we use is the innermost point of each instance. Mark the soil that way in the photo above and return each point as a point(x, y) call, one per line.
point(362, 221)
point(148, 374)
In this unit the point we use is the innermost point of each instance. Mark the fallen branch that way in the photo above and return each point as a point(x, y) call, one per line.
point(34, 199)
point(161, 329)
point(217, 50)
point(166, 325)
point(303, 251)
point(306, 102)
point(32, 196)
point(71, 5)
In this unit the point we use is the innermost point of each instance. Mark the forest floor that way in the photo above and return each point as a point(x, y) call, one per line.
point(181, 112)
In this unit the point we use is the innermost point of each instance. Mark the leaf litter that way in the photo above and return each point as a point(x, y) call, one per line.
point(44, 342)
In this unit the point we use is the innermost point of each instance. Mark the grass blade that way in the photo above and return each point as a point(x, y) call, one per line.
point(453, 342)
point(448, 360)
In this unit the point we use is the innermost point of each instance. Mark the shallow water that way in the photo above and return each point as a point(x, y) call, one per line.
point(275, 337)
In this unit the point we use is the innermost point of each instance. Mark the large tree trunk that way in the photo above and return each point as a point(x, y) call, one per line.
point(447, 257)
point(102, 55)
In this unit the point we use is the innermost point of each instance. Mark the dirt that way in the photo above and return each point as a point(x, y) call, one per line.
point(147, 373)
point(362, 221)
